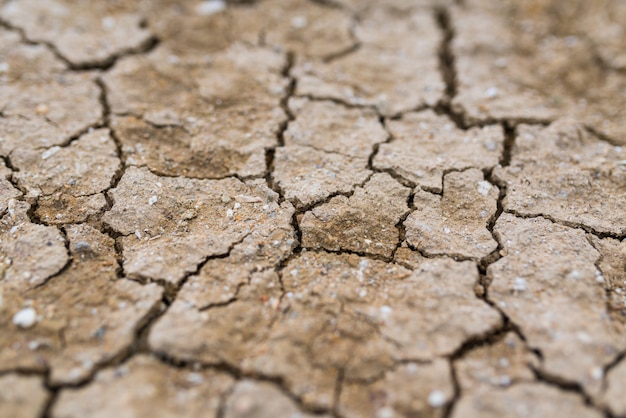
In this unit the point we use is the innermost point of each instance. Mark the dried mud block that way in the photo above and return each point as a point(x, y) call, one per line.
point(68, 182)
point(526, 67)
point(237, 333)
point(309, 176)
point(157, 390)
point(220, 279)
point(297, 26)
point(194, 29)
point(426, 145)
point(612, 396)
point(22, 396)
point(412, 389)
point(7, 191)
point(29, 253)
point(205, 120)
point(364, 222)
point(331, 127)
point(61, 208)
point(612, 264)
point(261, 400)
point(21, 132)
point(381, 73)
point(85, 167)
point(454, 224)
point(81, 318)
point(430, 328)
point(578, 180)
point(42, 103)
point(499, 365)
point(291, 25)
point(337, 312)
point(524, 400)
point(85, 33)
point(605, 24)
point(170, 225)
point(548, 284)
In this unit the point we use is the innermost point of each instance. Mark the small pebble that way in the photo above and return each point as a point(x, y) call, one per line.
point(25, 318)
point(491, 93)
point(484, 187)
point(210, 7)
point(50, 152)
point(520, 284)
point(299, 22)
point(247, 199)
point(108, 22)
point(597, 373)
point(436, 399)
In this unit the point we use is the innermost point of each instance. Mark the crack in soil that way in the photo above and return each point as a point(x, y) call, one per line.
point(448, 71)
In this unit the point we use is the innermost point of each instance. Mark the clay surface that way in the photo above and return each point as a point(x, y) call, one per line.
point(312, 208)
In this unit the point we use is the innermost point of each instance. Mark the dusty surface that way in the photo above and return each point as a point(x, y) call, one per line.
point(302, 208)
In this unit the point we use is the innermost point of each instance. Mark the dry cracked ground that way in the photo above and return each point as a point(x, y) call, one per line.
point(294, 208)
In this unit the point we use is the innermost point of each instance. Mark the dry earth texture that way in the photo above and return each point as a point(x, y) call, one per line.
point(330, 208)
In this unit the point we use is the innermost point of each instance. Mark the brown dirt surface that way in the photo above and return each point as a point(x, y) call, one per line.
point(312, 208)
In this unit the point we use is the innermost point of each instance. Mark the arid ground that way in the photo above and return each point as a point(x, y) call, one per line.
point(312, 208)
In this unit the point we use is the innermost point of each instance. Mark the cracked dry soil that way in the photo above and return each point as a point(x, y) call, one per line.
point(299, 208)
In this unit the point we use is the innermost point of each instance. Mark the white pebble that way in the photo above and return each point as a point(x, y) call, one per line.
point(247, 199)
point(153, 200)
point(108, 22)
point(385, 412)
point(484, 187)
point(50, 152)
point(195, 378)
point(491, 92)
point(299, 22)
point(520, 285)
point(599, 277)
point(436, 399)
point(25, 318)
point(597, 373)
point(574, 274)
point(210, 7)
